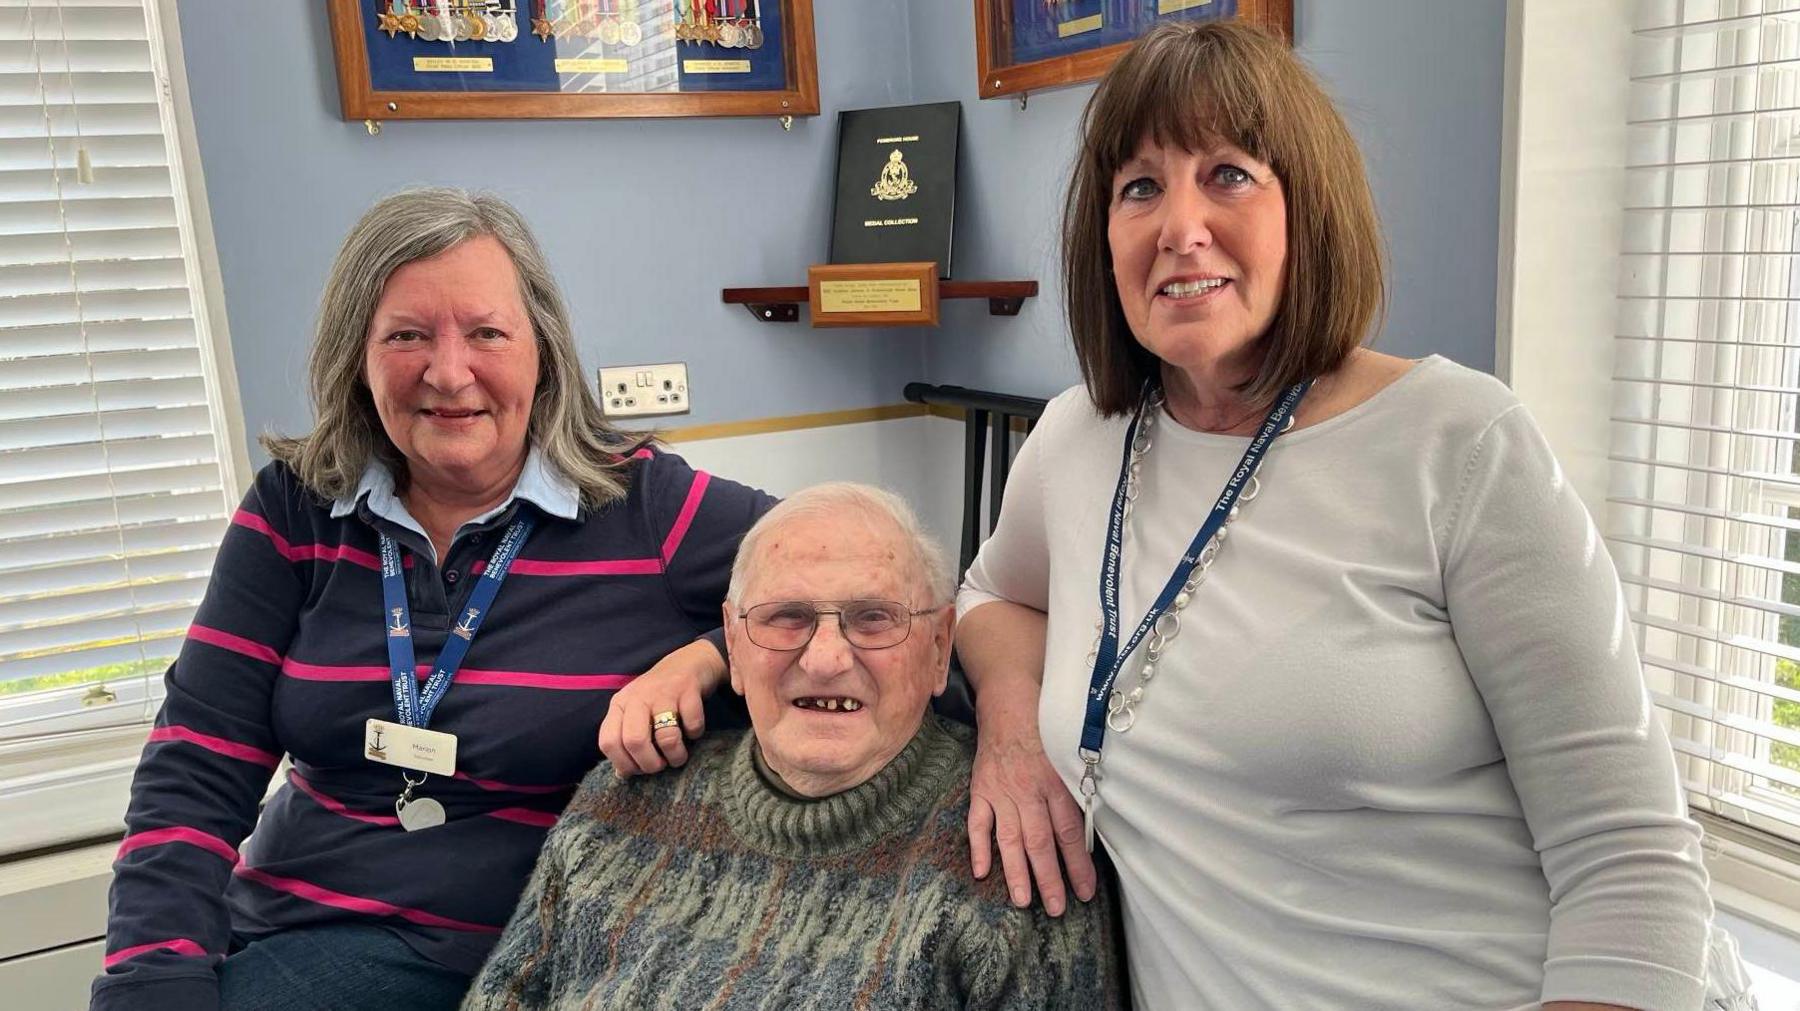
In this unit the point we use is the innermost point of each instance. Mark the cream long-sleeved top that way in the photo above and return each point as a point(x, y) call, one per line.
point(1400, 753)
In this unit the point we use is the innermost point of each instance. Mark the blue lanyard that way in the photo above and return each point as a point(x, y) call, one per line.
point(1109, 658)
point(412, 707)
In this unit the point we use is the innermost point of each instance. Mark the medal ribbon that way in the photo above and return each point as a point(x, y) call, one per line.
point(1109, 657)
point(412, 707)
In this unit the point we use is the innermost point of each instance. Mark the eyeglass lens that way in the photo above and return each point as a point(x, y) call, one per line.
point(790, 624)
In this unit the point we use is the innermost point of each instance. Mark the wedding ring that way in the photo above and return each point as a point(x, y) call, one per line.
point(665, 719)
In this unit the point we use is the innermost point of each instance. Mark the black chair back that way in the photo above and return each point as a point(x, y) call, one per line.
point(990, 423)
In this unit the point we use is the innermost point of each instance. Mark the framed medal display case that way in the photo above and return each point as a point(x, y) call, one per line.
point(1029, 45)
point(565, 59)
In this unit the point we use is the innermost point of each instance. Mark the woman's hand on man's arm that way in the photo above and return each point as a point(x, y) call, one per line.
point(1016, 798)
point(677, 683)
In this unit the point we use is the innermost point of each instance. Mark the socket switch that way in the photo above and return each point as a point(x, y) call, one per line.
point(631, 390)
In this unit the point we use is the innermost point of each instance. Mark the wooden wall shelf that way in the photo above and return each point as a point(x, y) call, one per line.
point(782, 305)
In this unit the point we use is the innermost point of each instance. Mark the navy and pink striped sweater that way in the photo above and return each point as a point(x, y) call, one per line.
point(287, 656)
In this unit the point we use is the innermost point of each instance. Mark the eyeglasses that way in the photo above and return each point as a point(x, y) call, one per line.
point(866, 624)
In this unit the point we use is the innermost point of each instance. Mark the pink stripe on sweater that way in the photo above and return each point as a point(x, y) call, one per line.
point(340, 552)
point(596, 567)
point(250, 521)
point(217, 745)
point(178, 834)
point(178, 945)
point(336, 806)
point(496, 786)
point(310, 552)
point(524, 816)
point(502, 678)
point(235, 643)
point(356, 904)
point(696, 492)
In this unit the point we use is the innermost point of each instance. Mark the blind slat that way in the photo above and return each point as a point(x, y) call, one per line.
point(144, 497)
point(22, 558)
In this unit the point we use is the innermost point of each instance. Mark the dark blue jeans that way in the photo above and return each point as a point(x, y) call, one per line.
point(342, 967)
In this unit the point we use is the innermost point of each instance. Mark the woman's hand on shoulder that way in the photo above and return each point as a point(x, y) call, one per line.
point(676, 684)
point(1018, 802)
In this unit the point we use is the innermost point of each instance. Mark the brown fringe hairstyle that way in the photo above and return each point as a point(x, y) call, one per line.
point(1191, 85)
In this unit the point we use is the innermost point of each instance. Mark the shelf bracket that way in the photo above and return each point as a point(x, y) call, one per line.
point(774, 312)
point(1005, 305)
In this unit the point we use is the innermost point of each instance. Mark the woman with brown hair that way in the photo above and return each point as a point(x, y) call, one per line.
point(1386, 746)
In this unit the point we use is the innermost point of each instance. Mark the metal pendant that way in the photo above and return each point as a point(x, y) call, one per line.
point(505, 28)
point(753, 36)
point(630, 33)
point(419, 813)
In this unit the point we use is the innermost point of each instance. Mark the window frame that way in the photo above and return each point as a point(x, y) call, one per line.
point(71, 788)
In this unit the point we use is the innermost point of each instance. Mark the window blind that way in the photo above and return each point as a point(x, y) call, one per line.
point(1704, 503)
point(114, 489)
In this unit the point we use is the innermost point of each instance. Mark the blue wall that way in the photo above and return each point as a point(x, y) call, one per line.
point(1419, 82)
point(645, 220)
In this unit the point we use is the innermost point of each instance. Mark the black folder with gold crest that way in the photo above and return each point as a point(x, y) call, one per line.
point(896, 187)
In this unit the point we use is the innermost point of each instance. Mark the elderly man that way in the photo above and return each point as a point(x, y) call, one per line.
point(818, 860)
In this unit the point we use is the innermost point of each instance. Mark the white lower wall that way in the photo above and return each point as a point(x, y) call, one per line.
point(919, 459)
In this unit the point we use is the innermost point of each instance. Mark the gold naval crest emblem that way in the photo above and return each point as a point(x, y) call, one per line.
point(466, 627)
point(896, 182)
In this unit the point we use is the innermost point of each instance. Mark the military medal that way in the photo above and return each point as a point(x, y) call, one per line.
point(409, 21)
point(709, 21)
point(630, 32)
point(385, 19)
point(429, 28)
point(609, 24)
point(475, 24)
point(731, 34)
point(540, 25)
point(753, 35)
point(456, 25)
point(506, 26)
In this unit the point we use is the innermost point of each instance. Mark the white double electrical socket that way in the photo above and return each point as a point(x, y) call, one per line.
point(644, 389)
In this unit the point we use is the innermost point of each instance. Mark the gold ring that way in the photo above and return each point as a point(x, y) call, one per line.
point(665, 719)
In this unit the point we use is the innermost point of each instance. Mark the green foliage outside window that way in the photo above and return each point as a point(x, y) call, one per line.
point(127, 671)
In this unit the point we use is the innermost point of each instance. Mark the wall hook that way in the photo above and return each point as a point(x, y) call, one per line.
point(374, 127)
point(1023, 95)
point(787, 122)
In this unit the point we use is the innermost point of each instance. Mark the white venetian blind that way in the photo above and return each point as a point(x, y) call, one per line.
point(1704, 507)
point(113, 486)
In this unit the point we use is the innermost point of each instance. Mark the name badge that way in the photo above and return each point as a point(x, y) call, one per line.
point(412, 748)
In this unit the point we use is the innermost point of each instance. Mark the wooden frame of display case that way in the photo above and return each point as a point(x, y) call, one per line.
point(362, 101)
point(1000, 79)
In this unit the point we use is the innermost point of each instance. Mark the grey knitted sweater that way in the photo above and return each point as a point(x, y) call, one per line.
point(711, 888)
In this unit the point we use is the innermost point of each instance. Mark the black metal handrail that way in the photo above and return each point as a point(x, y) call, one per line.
point(983, 411)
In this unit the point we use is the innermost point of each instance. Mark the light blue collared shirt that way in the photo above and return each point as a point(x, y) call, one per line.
point(540, 483)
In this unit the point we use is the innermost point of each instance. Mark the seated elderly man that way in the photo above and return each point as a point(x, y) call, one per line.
point(820, 859)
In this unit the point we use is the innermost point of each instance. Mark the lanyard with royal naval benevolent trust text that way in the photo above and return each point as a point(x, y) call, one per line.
point(407, 741)
point(1109, 656)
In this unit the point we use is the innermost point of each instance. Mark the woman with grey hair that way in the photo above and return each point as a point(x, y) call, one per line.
point(456, 448)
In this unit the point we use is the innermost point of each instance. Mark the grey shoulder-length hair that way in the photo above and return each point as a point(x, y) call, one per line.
point(566, 424)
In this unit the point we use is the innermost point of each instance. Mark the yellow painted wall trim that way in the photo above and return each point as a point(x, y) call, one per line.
point(794, 422)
